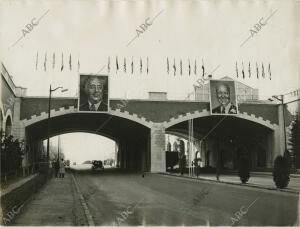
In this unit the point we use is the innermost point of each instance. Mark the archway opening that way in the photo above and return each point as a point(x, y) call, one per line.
point(8, 126)
point(132, 139)
point(220, 139)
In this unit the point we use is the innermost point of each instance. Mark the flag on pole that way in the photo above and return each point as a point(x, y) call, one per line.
point(269, 69)
point(168, 66)
point(202, 68)
point(70, 62)
point(174, 67)
point(45, 62)
point(180, 67)
point(62, 62)
point(236, 69)
point(53, 61)
point(117, 64)
point(262, 70)
point(243, 72)
point(108, 64)
point(249, 70)
point(124, 65)
point(36, 60)
point(189, 67)
point(147, 65)
point(141, 65)
point(195, 67)
point(257, 73)
point(132, 65)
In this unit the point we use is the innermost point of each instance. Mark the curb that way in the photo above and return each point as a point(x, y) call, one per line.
point(83, 204)
point(292, 191)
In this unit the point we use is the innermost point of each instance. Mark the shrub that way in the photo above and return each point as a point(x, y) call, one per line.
point(281, 172)
point(244, 169)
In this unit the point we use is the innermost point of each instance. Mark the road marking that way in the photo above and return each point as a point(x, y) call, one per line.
point(83, 203)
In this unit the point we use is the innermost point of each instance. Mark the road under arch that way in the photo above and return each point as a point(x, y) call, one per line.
point(132, 138)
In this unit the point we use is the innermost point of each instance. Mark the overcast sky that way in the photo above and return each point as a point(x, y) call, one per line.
point(195, 30)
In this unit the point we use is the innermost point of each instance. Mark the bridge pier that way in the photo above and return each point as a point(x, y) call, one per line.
point(158, 154)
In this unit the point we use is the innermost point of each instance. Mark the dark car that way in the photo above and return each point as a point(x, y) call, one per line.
point(97, 166)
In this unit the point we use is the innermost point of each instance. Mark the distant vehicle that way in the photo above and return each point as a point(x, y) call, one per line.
point(87, 162)
point(97, 165)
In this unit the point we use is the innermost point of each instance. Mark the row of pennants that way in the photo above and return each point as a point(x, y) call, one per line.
point(61, 66)
point(258, 73)
point(174, 67)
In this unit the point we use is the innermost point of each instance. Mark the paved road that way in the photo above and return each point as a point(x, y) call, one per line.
point(116, 198)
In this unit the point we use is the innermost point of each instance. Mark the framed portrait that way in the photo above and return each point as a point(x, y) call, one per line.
point(93, 93)
point(223, 98)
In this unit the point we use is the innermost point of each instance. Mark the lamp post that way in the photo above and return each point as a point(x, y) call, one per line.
point(48, 121)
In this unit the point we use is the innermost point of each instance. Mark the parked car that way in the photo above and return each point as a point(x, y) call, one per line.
point(97, 165)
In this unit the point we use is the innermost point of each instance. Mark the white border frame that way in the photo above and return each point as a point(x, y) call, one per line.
point(108, 93)
point(237, 104)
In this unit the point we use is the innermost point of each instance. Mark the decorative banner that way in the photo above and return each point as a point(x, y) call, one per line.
point(202, 69)
point(195, 67)
point(70, 62)
point(124, 65)
point(174, 67)
point(168, 66)
point(180, 67)
point(117, 64)
point(249, 70)
point(132, 65)
point(108, 64)
point(62, 62)
point(243, 72)
point(189, 67)
point(36, 61)
point(53, 61)
point(45, 62)
point(147, 65)
point(78, 65)
point(223, 97)
point(236, 70)
point(269, 69)
point(141, 65)
point(257, 73)
point(93, 93)
point(262, 70)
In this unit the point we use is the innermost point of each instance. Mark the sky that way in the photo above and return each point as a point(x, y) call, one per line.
point(211, 32)
point(79, 147)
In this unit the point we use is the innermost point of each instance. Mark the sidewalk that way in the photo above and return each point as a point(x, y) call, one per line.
point(16, 183)
point(57, 203)
point(259, 181)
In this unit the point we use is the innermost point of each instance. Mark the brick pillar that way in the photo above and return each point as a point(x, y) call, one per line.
point(158, 154)
point(18, 129)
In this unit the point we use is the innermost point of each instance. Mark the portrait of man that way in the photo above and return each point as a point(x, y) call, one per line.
point(223, 97)
point(93, 90)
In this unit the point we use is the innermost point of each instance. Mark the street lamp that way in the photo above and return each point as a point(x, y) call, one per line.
point(48, 121)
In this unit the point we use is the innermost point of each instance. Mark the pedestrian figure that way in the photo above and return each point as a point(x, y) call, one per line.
point(62, 170)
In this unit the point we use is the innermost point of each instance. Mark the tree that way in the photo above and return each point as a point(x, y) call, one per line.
point(281, 171)
point(294, 141)
point(244, 169)
point(11, 154)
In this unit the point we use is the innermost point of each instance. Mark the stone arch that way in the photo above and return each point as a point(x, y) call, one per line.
point(205, 113)
point(85, 131)
point(73, 110)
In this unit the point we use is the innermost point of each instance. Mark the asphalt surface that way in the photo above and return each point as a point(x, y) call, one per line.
point(119, 198)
